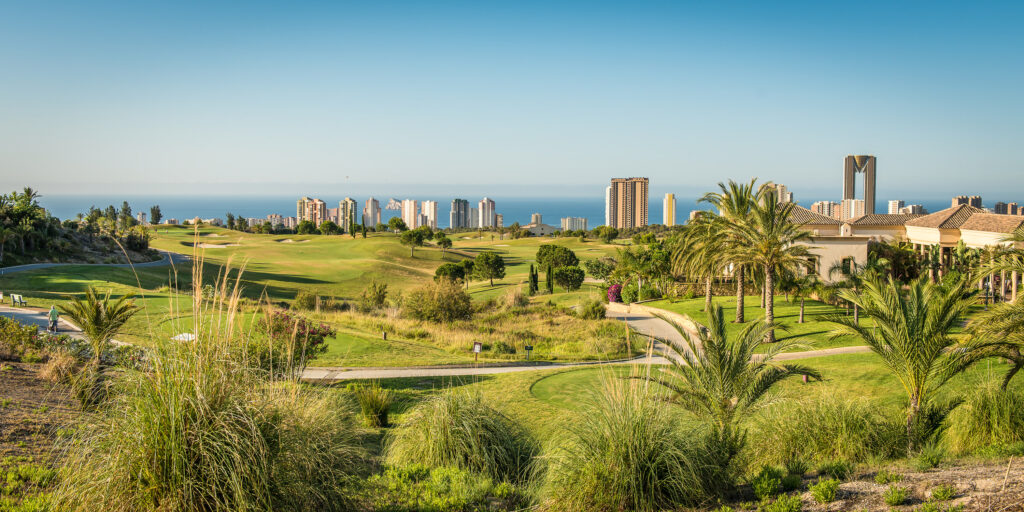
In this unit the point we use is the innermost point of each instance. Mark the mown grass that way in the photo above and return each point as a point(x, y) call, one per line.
point(814, 331)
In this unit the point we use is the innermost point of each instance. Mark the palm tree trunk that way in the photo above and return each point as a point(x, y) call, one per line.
point(911, 417)
point(763, 288)
point(1002, 286)
point(707, 293)
point(769, 294)
point(739, 294)
point(1013, 282)
point(801, 311)
point(856, 314)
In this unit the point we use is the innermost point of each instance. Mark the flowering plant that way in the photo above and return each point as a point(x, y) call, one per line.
point(615, 293)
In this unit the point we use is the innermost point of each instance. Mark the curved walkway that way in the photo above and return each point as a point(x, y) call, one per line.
point(169, 258)
point(647, 325)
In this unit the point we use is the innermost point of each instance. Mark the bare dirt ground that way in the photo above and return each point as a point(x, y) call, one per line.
point(32, 410)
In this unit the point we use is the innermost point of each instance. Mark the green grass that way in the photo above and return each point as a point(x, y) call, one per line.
point(814, 331)
point(352, 348)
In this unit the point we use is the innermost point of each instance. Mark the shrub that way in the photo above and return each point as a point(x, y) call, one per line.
point(944, 492)
point(887, 477)
point(931, 456)
point(895, 495)
point(630, 292)
point(569, 277)
point(767, 483)
point(825, 490)
point(629, 453)
point(305, 300)
point(838, 469)
point(591, 310)
point(374, 296)
point(60, 368)
point(796, 467)
point(615, 293)
point(792, 482)
point(374, 403)
point(458, 429)
point(825, 428)
point(418, 488)
point(515, 298)
point(290, 340)
point(786, 503)
point(443, 301)
point(991, 417)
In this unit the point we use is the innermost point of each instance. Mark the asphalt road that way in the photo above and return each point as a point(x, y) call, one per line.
point(168, 258)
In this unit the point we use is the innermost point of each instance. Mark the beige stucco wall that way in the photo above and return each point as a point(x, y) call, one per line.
point(831, 250)
point(932, 236)
point(979, 239)
point(881, 233)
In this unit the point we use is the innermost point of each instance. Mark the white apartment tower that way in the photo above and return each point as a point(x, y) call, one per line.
point(429, 211)
point(895, 206)
point(486, 212)
point(410, 213)
point(371, 212)
point(852, 209)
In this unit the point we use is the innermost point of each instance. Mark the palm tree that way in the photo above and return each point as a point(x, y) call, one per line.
point(99, 319)
point(734, 203)
point(912, 335)
point(804, 286)
point(722, 379)
point(769, 240)
point(855, 274)
point(999, 333)
point(6, 235)
point(698, 254)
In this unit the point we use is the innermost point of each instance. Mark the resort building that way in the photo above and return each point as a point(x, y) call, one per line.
point(540, 229)
point(626, 203)
point(574, 224)
point(668, 208)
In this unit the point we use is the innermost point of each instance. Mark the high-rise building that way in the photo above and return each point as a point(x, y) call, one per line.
point(275, 220)
point(486, 212)
point(535, 218)
point(608, 206)
point(410, 213)
point(313, 210)
point(574, 224)
point(827, 208)
point(668, 209)
point(627, 202)
point(459, 216)
point(895, 206)
point(371, 213)
point(429, 210)
point(499, 220)
point(1012, 209)
point(1001, 208)
point(915, 209)
point(781, 192)
point(852, 209)
point(474, 218)
point(974, 201)
point(860, 164)
point(141, 217)
point(348, 213)
point(334, 215)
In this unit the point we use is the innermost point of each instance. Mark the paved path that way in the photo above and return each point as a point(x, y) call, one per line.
point(647, 325)
point(39, 317)
point(168, 259)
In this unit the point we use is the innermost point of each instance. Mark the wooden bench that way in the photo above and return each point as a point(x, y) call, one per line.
point(18, 300)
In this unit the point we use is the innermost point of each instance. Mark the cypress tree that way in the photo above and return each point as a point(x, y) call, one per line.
point(549, 280)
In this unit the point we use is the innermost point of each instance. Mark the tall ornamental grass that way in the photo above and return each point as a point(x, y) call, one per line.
point(202, 430)
point(630, 452)
point(991, 420)
point(822, 429)
point(458, 429)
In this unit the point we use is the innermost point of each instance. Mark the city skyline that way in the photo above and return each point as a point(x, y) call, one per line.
point(194, 99)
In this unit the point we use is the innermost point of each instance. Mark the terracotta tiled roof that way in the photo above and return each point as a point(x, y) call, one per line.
point(882, 219)
point(993, 223)
point(950, 218)
point(801, 215)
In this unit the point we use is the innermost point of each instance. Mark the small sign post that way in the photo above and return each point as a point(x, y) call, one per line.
point(528, 349)
point(477, 348)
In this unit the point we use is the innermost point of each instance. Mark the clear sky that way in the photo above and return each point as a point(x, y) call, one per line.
point(549, 97)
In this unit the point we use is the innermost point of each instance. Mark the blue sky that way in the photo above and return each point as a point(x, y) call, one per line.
point(489, 97)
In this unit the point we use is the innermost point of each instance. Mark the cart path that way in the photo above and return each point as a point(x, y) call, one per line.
point(169, 258)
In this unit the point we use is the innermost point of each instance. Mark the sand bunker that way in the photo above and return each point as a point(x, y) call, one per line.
point(214, 235)
point(215, 246)
point(290, 241)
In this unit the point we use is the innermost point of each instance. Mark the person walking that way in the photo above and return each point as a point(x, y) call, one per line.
point(54, 316)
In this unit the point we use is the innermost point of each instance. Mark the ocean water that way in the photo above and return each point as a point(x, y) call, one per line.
point(513, 209)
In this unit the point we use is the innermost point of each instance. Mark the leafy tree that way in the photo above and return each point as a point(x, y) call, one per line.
point(125, 216)
point(444, 243)
point(443, 301)
point(600, 268)
point(397, 225)
point(452, 271)
point(413, 238)
point(110, 213)
point(155, 216)
point(570, 278)
point(489, 265)
point(606, 233)
point(329, 227)
point(230, 220)
point(467, 271)
point(913, 336)
point(306, 227)
point(770, 241)
point(551, 255)
point(99, 319)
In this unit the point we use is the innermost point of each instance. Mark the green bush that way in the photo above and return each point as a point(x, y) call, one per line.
point(838, 469)
point(825, 428)
point(373, 297)
point(887, 477)
point(786, 503)
point(931, 456)
point(895, 495)
point(796, 467)
point(630, 293)
point(991, 417)
point(825, 490)
point(944, 492)
point(374, 403)
point(591, 310)
point(443, 301)
point(458, 429)
point(792, 482)
point(767, 483)
point(417, 488)
point(305, 300)
point(628, 452)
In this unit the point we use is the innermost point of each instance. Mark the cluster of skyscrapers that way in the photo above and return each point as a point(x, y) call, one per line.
point(413, 213)
point(463, 216)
